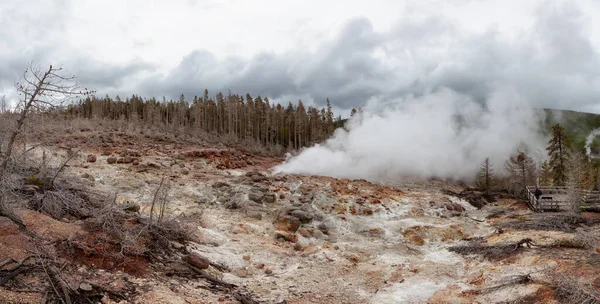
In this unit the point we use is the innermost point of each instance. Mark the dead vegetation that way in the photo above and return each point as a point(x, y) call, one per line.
point(570, 291)
point(493, 252)
point(567, 222)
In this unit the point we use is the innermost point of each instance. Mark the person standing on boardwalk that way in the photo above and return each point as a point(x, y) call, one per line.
point(537, 193)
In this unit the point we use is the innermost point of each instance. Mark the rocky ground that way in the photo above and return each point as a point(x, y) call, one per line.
point(302, 239)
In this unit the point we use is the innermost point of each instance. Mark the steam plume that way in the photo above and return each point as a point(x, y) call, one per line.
point(589, 140)
point(442, 134)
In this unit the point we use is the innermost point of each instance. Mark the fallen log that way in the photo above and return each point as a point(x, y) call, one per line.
point(245, 298)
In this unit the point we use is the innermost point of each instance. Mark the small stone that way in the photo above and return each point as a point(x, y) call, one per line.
point(88, 176)
point(310, 249)
point(254, 214)
point(302, 215)
point(127, 159)
point(220, 185)
point(91, 158)
point(258, 178)
point(174, 282)
point(298, 247)
point(319, 235)
point(287, 223)
point(269, 198)
point(111, 160)
point(231, 205)
point(454, 207)
point(185, 171)
point(120, 160)
point(323, 228)
point(255, 196)
point(135, 162)
point(133, 207)
point(305, 232)
point(288, 236)
point(85, 286)
point(268, 271)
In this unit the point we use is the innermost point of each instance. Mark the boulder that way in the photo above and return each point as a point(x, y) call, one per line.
point(111, 160)
point(91, 158)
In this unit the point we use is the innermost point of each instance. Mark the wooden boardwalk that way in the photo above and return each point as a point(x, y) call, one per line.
point(556, 199)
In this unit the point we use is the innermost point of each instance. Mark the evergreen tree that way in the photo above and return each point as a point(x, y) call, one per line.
point(558, 150)
point(545, 174)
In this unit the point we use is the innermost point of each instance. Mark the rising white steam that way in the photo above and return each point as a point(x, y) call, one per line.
point(442, 134)
point(589, 140)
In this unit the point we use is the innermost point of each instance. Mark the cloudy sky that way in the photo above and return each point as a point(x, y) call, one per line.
point(353, 52)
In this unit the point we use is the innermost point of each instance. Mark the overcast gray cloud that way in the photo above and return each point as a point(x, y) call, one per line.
point(553, 64)
point(551, 60)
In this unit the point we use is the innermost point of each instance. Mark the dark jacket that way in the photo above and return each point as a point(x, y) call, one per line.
point(538, 193)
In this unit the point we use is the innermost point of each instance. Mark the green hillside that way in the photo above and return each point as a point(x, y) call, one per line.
point(577, 124)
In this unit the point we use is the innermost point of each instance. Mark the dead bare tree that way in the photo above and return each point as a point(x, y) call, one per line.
point(575, 180)
point(40, 90)
point(486, 175)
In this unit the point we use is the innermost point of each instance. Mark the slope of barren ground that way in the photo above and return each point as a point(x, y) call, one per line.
point(295, 239)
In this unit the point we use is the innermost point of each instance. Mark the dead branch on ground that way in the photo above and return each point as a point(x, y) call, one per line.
point(493, 251)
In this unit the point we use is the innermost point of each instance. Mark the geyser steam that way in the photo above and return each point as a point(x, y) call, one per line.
point(442, 134)
point(589, 140)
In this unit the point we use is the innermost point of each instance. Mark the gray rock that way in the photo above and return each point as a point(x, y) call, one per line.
point(250, 205)
point(254, 214)
point(270, 198)
point(220, 185)
point(254, 173)
point(323, 228)
point(318, 217)
point(260, 188)
point(319, 235)
point(232, 204)
point(247, 181)
point(258, 178)
point(256, 196)
point(302, 215)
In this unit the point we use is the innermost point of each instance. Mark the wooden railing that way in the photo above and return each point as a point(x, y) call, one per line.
point(556, 199)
